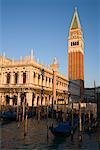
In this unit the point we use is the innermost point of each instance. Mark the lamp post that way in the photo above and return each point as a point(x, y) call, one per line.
point(23, 104)
point(0, 103)
point(80, 123)
point(71, 119)
point(42, 73)
point(26, 120)
point(64, 106)
point(42, 92)
point(17, 109)
point(89, 116)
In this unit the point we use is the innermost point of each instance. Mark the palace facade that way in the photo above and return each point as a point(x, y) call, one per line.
point(31, 81)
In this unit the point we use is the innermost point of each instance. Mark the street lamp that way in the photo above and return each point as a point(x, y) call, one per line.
point(42, 93)
point(64, 106)
point(23, 103)
point(42, 90)
point(0, 103)
point(80, 123)
point(71, 101)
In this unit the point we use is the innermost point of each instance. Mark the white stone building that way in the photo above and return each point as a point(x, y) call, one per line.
point(30, 81)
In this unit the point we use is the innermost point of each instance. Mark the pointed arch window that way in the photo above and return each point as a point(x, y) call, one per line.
point(34, 74)
point(46, 79)
point(77, 42)
point(38, 76)
point(16, 78)
point(8, 78)
point(49, 80)
point(71, 43)
point(24, 77)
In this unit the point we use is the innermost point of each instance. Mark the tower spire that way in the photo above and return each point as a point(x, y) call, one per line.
point(75, 21)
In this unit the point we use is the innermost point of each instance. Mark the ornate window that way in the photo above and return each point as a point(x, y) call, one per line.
point(8, 78)
point(16, 78)
point(34, 74)
point(77, 42)
point(71, 44)
point(24, 77)
point(49, 79)
point(46, 79)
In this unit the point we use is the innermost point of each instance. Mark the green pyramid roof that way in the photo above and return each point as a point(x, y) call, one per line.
point(75, 24)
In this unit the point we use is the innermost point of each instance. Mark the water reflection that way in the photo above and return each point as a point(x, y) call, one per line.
point(57, 143)
point(13, 138)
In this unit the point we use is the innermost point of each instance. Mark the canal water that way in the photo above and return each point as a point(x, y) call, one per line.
point(12, 138)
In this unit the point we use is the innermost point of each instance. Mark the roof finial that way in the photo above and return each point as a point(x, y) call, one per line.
point(3, 54)
point(75, 8)
point(13, 59)
point(55, 61)
point(20, 58)
point(31, 52)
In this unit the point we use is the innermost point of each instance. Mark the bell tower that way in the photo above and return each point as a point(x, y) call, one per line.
point(75, 50)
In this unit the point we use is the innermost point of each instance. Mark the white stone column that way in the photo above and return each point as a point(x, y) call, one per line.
point(39, 100)
point(29, 98)
point(43, 102)
point(54, 85)
point(3, 99)
point(40, 80)
point(31, 76)
point(50, 100)
point(44, 81)
point(35, 100)
point(36, 79)
point(50, 83)
point(18, 99)
point(47, 82)
point(20, 79)
point(11, 100)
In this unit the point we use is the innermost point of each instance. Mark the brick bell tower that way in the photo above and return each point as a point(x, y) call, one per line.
point(76, 50)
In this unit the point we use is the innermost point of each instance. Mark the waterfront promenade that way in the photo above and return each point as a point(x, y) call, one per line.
point(12, 137)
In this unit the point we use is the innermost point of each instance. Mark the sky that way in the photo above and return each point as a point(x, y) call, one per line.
point(44, 26)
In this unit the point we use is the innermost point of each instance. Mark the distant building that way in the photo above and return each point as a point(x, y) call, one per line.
point(92, 96)
point(30, 81)
point(98, 104)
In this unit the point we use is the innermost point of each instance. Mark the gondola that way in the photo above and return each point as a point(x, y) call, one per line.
point(8, 116)
point(64, 128)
